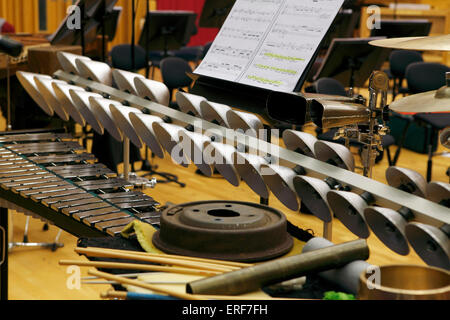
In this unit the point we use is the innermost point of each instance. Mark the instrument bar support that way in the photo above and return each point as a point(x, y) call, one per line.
point(424, 211)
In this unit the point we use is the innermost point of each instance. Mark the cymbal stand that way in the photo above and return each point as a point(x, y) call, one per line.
point(371, 134)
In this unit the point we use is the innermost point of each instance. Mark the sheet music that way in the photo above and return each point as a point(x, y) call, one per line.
point(269, 43)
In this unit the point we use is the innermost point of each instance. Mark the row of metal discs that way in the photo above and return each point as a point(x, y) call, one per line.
point(236, 162)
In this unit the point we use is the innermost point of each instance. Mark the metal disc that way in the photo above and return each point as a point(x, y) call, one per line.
point(189, 103)
point(143, 124)
point(102, 111)
point(439, 192)
point(407, 180)
point(445, 138)
point(168, 136)
point(300, 142)
point(226, 230)
point(95, 70)
point(248, 167)
point(125, 80)
point(62, 93)
point(431, 244)
point(281, 182)
point(313, 193)
point(245, 121)
point(193, 144)
point(45, 87)
point(153, 90)
point(68, 61)
point(349, 209)
point(389, 226)
point(221, 156)
point(435, 43)
point(81, 101)
point(215, 112)
point(27, 81)
point(121, 115)
point(335, 154)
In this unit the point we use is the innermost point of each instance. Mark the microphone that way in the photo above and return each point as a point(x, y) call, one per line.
point(10, 47)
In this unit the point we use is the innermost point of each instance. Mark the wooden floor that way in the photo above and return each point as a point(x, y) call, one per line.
point(34, 274)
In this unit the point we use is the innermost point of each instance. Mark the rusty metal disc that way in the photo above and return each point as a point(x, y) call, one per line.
point(225, 230)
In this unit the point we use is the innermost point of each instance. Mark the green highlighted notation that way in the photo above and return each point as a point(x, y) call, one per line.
point(279, 56)
point(265, 81)
point(288, 71)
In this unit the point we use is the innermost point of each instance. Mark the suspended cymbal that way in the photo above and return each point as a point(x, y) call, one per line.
point(445, 138)
point(437, 101)
point(436, 43)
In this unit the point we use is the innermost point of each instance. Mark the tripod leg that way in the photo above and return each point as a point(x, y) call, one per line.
point(25, 233)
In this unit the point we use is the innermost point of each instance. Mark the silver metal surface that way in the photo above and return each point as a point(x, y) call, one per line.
point(424, 210)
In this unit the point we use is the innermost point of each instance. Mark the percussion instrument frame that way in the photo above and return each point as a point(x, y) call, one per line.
point(424, 210)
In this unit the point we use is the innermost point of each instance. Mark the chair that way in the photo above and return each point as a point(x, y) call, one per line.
point(173, 72)
point(334, 87)
point(121, 58)
point(205, 50)
point(399, 60)
point(190, 54)
point(424, 77)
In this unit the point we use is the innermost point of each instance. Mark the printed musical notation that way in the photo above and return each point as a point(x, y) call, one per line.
point(269, 43)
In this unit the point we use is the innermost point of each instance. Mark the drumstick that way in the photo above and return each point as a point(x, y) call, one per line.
point(205, 260)
point(136, 266)
point(169, 261)
point(140, 284)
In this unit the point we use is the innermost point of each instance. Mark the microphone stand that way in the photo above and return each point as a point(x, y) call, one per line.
point(133, 34)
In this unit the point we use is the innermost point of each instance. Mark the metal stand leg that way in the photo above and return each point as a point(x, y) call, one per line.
point(4, 254)
point(132, 177)
point(51, 245)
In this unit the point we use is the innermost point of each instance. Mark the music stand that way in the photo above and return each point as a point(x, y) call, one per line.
point(166, 30)
point(402, 28)
point(93, 13)
point(215, 12)
point(351, 61)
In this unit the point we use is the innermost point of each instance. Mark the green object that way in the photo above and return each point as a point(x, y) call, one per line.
point(332, 295)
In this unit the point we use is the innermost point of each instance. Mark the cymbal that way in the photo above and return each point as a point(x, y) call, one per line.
point(437, 101)
point(435, 43)
point(445, 138)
